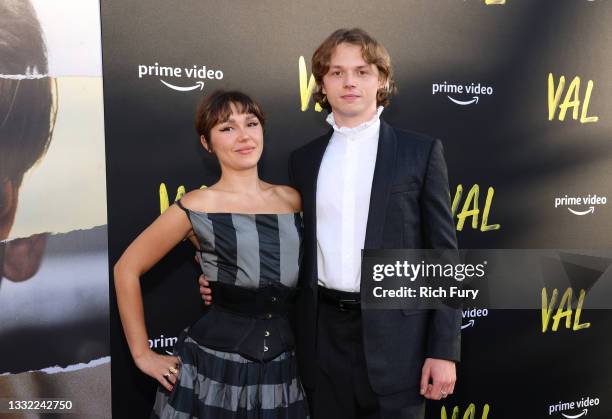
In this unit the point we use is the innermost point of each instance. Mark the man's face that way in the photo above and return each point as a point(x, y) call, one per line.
point(351, 85)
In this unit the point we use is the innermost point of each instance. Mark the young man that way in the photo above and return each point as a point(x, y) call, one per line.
point(366, 184)
point(27, 116)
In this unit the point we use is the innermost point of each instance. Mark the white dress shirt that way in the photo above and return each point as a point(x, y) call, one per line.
point(344, 185)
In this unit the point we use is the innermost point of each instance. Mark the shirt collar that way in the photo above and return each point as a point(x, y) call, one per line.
point(359, 128)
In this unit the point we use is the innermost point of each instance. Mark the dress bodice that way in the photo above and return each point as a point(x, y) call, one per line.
point(252, 261)
point(248, 250)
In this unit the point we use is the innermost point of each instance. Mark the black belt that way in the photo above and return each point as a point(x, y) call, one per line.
point(341, 300)
point(265, 303)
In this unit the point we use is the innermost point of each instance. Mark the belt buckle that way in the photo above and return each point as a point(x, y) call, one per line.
point(341, 303)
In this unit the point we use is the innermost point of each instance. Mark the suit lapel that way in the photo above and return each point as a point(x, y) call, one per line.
point(381, 186)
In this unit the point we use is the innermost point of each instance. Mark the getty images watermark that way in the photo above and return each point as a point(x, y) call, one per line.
point(487, 278)
point(422, 270)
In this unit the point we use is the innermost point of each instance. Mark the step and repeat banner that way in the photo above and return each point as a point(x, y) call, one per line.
point(54, 303)
point(517, 90)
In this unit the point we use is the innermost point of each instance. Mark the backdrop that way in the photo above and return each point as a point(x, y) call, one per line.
point(517, 90)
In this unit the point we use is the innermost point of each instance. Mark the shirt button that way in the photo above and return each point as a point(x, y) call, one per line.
point(267, 333)
point(273, 299)
point(265, 348)
point(268, 316)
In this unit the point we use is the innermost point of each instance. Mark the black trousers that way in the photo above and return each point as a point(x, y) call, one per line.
point(342, 388)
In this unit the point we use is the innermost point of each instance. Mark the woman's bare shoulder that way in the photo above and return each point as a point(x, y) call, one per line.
point(290, 196)
point(200, 199)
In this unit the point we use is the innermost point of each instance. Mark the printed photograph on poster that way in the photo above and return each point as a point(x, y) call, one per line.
point(53, 248)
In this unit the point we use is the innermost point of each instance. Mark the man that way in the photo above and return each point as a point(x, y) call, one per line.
point(27, 117)
point(368, 185)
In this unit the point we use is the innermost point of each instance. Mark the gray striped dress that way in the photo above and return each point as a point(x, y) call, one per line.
point(236, 365)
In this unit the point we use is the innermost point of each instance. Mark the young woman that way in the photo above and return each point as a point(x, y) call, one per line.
point(237, 360)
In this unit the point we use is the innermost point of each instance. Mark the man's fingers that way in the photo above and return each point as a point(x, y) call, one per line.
point(446, 387)
point(451, 389)
point(205, 290)
point(436, 390)
point(425, 373)
point(442, 375)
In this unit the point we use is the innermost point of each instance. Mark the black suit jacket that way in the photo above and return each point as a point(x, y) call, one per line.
point(409, 208)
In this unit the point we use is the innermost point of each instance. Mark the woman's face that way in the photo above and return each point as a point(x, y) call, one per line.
point(237, 142)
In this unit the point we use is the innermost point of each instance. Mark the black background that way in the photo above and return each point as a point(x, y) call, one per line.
point(505, 141)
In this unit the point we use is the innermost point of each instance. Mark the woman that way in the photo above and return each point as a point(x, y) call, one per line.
point(236, 360)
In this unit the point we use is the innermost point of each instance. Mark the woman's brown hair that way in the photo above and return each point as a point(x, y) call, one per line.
point(216, 108)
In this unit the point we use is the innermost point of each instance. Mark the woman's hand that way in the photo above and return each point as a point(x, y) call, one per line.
point(164, 368)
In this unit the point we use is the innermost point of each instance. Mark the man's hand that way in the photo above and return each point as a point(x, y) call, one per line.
point(442, 375)
point(205, 290)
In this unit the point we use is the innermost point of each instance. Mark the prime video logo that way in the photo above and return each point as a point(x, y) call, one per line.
point(580, 201)
point(163, 342)
point(574, 409)
point(456, 92)
point(166, 72)
point(471, 314)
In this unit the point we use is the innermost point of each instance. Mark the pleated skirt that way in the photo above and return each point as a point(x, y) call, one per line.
point(221, 385)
